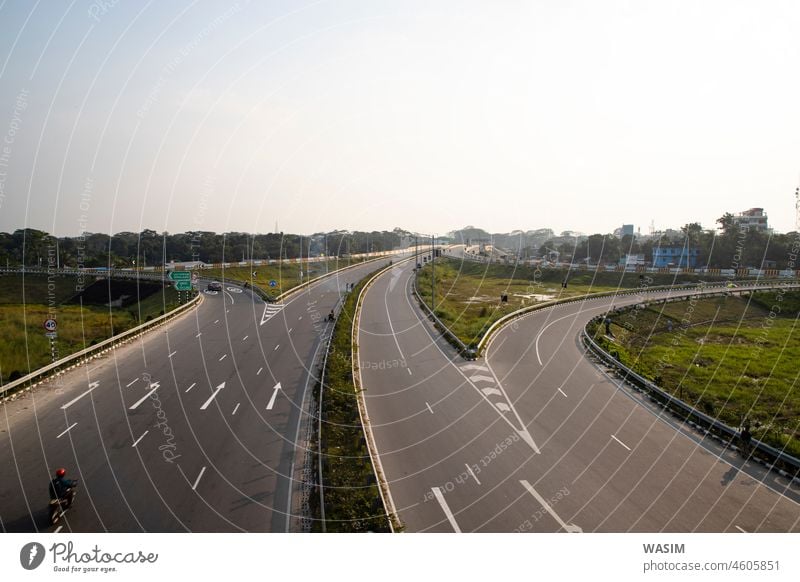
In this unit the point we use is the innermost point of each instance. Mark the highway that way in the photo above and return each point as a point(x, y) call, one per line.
point(536, 437)
point(199, 425)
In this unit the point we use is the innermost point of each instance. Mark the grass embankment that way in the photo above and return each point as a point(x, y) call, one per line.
point(468, 293)
point(286, 275)
point(730, 357)
point(24, 305)
point(352, 499)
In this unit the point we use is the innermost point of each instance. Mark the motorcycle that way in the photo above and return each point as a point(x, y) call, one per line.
point(58, 507)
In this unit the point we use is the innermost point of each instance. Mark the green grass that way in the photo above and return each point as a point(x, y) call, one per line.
point(468, 293)
point(286, 275)
point(352, 499)
point(23, 345)
point(726, 356)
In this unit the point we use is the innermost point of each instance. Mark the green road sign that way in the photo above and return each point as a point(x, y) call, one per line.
point(183, 285)
point(180, 275)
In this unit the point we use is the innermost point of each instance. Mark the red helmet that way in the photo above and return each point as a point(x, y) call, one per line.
point(61, 472)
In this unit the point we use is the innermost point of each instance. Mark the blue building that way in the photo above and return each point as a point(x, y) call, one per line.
point(677, 256)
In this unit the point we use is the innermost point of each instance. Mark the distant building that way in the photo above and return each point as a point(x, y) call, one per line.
point(752, 219)
point(631, 261)
point(627, 229)
point(675, 256)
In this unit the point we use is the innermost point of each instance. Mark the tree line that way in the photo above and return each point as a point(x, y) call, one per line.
point(729, 247)
point(148, 248)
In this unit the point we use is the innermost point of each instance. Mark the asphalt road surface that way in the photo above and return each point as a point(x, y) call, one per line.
point(196, 426)
point(536, 437)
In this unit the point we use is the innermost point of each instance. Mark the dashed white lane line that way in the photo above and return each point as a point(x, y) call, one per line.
point(173, 353)
point(58, 529)
point(136, 404)
point(562, 393)
point(213, 395)
point(136, 442)
point(437, 493)
point(129, 384)
point(568, 527)
point(69, 428)
point(197, 481)
point(276, 347)
point(244, 339)
point(472, 473)
point(199, 334)
point(236, 408)
point(429, 407)
point(290, 329)
point(216, 321)
point(409, 371)
point(223, 357)
point(620, 442)
point(740, 529)
point(192, 386)
point(259, 371)
point(92, 386)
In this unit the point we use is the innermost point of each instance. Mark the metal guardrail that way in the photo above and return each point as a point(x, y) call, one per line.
point(78, 358)
point(786, 464)
point(89, 274)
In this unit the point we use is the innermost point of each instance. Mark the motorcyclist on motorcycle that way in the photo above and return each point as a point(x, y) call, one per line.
point(60, 486)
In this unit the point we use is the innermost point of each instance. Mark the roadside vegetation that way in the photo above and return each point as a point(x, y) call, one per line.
point(734, 358)
point(352, 500)
point(84, 318)
point(286, 275)
point(468, 293)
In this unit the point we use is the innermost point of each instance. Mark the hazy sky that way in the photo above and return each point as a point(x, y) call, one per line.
point(370, 115)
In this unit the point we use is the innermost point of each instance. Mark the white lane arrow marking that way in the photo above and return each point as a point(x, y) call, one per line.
point(503, 407)
point(274, 395)
point(213, 395)
point(154, 386)
point(479, 378)
point(570, 528)
point(92, 386)
point(490, 391)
